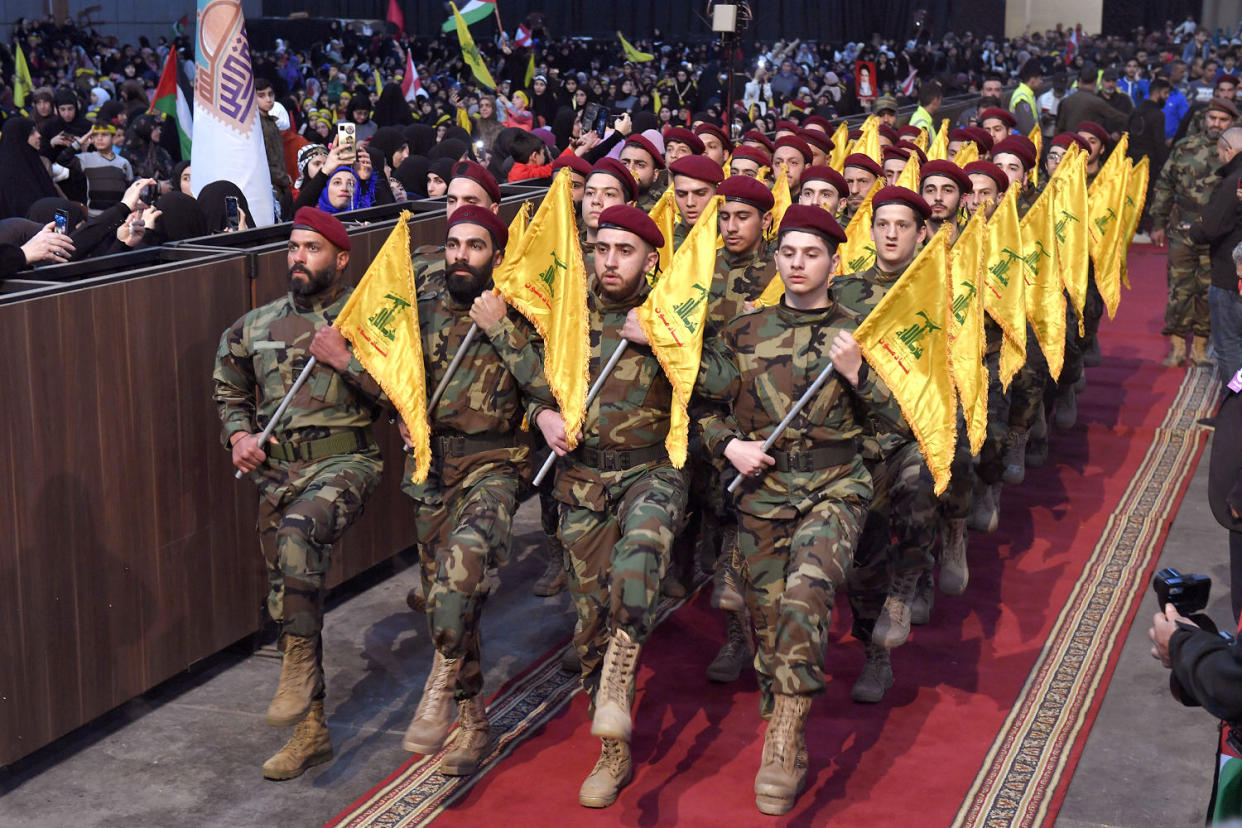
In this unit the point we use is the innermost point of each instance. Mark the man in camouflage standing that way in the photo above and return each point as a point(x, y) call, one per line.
point(621, 499)
point(1181, 193)
point(319, 468)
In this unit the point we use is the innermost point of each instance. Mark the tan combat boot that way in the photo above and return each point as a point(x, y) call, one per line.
point(474, 740)
point(782, 772)
point(1177, 352)
point(736, 653)
point(611, 773)
point(299, 673)
point(1015, 456)
point(434, 717)
point(985, 516)
point(310, 746)
point(924, 599)
point(893, 626)
point(954, 572)
point(1198, 351)
point(725, 592)
point(876, 676)
point(554, 578)
point(612, 700)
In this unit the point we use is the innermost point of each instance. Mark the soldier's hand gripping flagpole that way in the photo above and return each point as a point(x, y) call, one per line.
point(591, 395)
point(452, 368)
point(280, 411)
point(793, 412)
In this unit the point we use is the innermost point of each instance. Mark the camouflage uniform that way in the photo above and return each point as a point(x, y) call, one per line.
point(800, 520)
point(1180, 195)
point(325, 464)
point(648, 199)
point(680, 231)
point(464, 510)
point(621, 499)
point(428, 262)
point(991, 465)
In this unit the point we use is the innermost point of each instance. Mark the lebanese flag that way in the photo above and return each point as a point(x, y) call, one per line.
point(171, 99)
point(473, 12)
point(908, 85)
point(396, 16)
point(411, 86)
point(522, 39)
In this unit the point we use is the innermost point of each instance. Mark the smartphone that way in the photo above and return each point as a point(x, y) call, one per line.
point(232, 213)
point(147, 196)
point(601, 122)
point(345, 139)
point(589, 114)
point(62, 222)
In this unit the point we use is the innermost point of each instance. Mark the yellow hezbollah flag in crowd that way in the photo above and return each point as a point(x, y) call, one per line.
point(905, 339)
point(1004, 296)
point(858, 252)
point(781, 201)
point(673, 318)
point(664, 214)
point(920, 140)
point(632, 54)
point(1107, 198)
point(546, 282)
point(381, 321)
point(967, 153)
point(840, 147)
point(1045, 299)
point(868, 142)
point(966, 259)
point(22, 84)
point(1136, 199)
point(939, 149)
point(469, 52)
point(909, 176)
point(517, 229)
point(1069, 210)
point(1036, 137)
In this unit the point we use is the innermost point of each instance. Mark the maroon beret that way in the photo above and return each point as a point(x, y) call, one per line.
point(817, 120)
point(613, 167)
point(1065, 139)
point(781, 126)
point(889, 132)
point(753, 154)
point(900, 195)
point(697, 166)
point(864, 162)
point(485, 218)
point(1002, 115)
point(328, 226)
point(888, 153)
point(633, 220)
point(478, 173)
point(947, 169)
point(642, 143)
point(717, 132)
point(746, 189)
point(1227, 78)
point(1013, 146)
point(1092, 128)
point(684, 136)
point(855, 134)
point(1217, 105)
point(810, 219)
point(991, 171)
point(756, 135)
point(914, 149)
point(822, 172)
point(817, 138)
point(909, 129)
point(803, 148)
point(980, 137)
point(576, 163)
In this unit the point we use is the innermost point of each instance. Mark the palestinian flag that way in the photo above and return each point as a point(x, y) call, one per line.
point(172, 100)
point(473, 12)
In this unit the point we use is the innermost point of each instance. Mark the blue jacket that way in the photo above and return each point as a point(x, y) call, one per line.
point(1174, 110)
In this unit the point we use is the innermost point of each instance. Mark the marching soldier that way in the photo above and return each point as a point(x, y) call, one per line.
point(749, 161)
point(608, 185)
point(316, 473)
point(694, 179)
point(645, 163)
point(471, 184)
point(943, 185)
point(822, 186)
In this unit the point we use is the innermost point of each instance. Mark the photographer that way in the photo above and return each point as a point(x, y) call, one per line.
point(1207, 668)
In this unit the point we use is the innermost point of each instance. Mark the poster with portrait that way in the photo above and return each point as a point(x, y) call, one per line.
point(864, 82)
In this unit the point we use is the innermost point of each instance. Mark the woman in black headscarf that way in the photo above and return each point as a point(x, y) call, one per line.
point(391, 141)
point(439, 173)
point(379, 176)
point(211, 200)
point(181, 218)
point(413, 176)
point(449, 148)
point(391, 109)
point(420, 138)
point(44, 210)
point(143, 152)
point(23, 178)
point(563, 127)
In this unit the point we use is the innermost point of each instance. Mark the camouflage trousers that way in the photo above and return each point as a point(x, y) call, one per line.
point(792, 568)
point(616, 559)
point(463, 531)
point(898, 535)
point(1026, 392)
point(1189, 276)
point(959, 496)
point(304, 509)
point(992, 454)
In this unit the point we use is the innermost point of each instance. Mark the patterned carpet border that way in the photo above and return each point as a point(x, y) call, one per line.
point(417, 793)
point(1024, 770)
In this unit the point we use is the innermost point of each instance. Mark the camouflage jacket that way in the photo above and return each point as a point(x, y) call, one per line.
point(428, 262)
point(487, 395)
point(262, 354)
point(680, 231)
point(763, 363)
point(738, 279)
point(1185, 184)
point(658, 185)
point(860, 293)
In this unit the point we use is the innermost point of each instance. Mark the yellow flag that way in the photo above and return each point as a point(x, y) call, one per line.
point(546, 281)
point(381, 321)
point(463, 119)
point(673, 318)
point(22, 84)
point(1004, 297)
point(1107, 196)
point(530, 71)
point(909, 176)
point(920, 140)
point(858, 252)
point(1045, 298)
point(469, 52)
point(782, 197)
point(1069, 207)
point(968, 152)
point(664, 214)
point(632, 54)
point(868, 142)
point(905, 339)
point(656, 104)
point(939, 149)
point(1136, 199)
point(840, 147)
point(517, 229)
point(966, 339)
point(1036, 137)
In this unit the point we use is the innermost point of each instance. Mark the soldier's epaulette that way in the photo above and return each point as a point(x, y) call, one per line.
point(431, 292)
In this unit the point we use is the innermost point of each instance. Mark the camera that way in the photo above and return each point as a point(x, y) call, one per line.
point(1187, 593)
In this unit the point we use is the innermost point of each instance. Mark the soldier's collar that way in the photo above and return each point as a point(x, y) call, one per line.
point(319, 301)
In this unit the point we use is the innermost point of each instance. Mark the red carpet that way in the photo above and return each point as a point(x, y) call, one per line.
point(993, 700)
